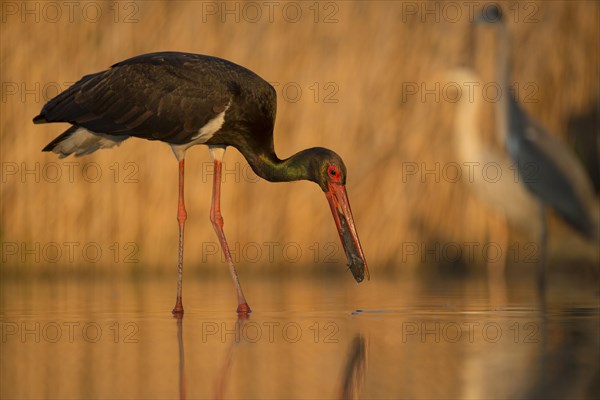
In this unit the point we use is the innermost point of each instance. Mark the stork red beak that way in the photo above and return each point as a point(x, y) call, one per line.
point(340, 208)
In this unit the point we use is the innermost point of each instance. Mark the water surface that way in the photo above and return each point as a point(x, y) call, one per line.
point(309, 337)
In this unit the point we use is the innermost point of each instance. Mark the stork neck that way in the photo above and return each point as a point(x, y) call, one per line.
point(268, 166)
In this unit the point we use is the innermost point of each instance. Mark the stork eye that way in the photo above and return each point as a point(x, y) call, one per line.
point(333, 172)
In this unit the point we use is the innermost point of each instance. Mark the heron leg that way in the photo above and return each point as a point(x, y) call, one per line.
point(496, 266)
point(181, 217)
point(216, 218)
point(543, 250)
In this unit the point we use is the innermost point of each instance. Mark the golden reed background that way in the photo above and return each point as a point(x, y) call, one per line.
point(364, 60)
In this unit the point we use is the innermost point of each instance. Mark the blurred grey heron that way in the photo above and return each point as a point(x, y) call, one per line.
point(547, 169)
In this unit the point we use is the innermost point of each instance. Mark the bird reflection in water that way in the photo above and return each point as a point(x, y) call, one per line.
point(225, 370)
point(567, 364)
point(355, 368)
point(223, 374)
point(181, 356)
point(353, 371)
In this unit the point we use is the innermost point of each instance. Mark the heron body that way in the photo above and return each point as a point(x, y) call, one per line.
point(509, 200)
point(186, 99)
point(504, 193)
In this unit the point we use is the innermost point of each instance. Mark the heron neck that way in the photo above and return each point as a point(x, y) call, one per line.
point(502, 78)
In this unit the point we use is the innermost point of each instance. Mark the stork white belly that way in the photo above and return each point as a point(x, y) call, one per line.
point(204, 134)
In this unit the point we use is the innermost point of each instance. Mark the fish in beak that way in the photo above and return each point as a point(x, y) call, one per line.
point(340, 208)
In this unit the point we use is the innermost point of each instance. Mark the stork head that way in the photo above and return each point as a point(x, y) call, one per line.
point(327, 169)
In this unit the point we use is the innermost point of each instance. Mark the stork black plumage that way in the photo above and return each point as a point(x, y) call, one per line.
point(187, 99)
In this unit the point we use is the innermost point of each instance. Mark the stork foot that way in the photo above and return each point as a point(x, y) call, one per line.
point(243, 309)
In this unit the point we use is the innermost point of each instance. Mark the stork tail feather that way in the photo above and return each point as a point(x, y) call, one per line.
point(81, 141)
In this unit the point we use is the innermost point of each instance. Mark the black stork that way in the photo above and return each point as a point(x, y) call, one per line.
point(187, 99)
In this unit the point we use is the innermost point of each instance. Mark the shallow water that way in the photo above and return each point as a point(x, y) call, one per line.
point(308, 337)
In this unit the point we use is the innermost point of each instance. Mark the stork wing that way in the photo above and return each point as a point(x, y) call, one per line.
point(155, 97)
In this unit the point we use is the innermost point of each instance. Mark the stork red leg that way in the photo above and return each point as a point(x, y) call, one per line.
point(181, 217)
point(217, 221)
